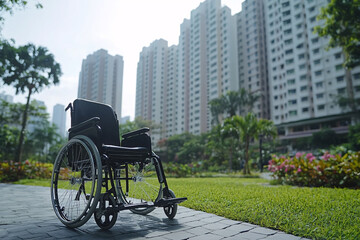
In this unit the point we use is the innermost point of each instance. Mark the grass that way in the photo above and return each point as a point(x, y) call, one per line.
point(319, 213)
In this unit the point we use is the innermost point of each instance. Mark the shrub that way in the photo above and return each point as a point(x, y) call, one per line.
point(326, 171)
point(11, 171)
point(177, 170)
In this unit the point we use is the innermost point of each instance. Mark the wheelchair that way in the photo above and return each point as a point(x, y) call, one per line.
point(96, 174)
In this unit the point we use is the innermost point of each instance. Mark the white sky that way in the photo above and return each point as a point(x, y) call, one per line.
point(73, 29)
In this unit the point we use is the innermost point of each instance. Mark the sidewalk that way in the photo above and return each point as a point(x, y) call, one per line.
point(26, 213)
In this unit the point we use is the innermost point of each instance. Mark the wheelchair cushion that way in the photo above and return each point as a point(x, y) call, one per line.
point(85, 109)
point(114, 152)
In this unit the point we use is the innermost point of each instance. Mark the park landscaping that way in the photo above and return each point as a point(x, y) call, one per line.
point(317, 213)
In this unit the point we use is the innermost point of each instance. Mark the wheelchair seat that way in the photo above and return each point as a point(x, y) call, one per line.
point(99, 122)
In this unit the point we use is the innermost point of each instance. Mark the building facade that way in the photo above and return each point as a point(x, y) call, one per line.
point(269, 49)
point(252, 55)
point(305, 79)
point(59, 119)
point(101, 79)
point(156, 89)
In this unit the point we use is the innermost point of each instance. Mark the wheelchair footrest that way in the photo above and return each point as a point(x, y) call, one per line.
point(164, 202)
point(133, 206)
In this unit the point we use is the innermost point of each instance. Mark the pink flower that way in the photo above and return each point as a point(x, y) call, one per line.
point(299, 154)
point(299, 170)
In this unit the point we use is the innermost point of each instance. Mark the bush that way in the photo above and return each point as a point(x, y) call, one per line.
point(11, 171)
point(325, 171)
point(177, 170)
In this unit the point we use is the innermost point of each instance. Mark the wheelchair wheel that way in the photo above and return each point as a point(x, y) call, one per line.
point(171, 210)
point(105, 218)
point(76, 181)
point(143, 186)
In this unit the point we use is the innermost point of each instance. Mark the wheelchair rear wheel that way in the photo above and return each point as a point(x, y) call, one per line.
point(76, 181)
point(143, 185)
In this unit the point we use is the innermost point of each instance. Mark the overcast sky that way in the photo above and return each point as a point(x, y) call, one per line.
point(73, 29)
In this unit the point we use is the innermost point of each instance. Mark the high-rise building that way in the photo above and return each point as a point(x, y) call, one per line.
point(6, 97)
point(252, 55)
point(101, 79)
point(156, 88)
point(304, 78)
point(59, 119)
point(175, 84)
point(208, 62)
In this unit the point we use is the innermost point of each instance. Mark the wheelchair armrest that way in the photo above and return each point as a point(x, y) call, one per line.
point(84, 125)
point(136, 132)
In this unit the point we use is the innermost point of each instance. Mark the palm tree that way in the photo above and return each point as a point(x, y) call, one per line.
point(248, 128)
point(230, 102)
point(29, 69)
point(216, 109)
point(266, 129)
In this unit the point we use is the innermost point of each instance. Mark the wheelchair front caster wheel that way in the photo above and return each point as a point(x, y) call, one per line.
point(104, 217)
point(171, 210)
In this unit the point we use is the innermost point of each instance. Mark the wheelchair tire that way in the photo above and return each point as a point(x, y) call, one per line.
point(76, 181)
point(171, 210)
point(104, 218)
point(144, 186)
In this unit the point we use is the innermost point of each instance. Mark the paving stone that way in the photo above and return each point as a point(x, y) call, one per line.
point(215, 226)
point(247, 235)
point(240, 228)
point(178, 235)
point(282, 236)
point(35, 219)
point(198, 231)
point(207, 237)
point(265, 231)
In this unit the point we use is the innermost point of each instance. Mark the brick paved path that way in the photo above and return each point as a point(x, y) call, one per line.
point(26, 213)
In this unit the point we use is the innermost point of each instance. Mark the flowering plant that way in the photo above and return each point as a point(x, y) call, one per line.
point(305, 169)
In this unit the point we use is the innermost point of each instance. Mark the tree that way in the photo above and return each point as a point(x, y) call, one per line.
point(342, 25)
point(216, 109)
point(231, 132)
point(231, 103)
point(248, 128)
point(324, 138)
point(28, 68)
point(266, 130)
point(138, 123)
point(10, 5)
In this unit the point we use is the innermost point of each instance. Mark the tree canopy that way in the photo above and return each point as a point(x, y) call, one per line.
point(28, 69)
point(342, 25)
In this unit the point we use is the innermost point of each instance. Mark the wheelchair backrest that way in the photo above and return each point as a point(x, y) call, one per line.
point(85, 109)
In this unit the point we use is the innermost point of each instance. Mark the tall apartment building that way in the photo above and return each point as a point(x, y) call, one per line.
point(207, 63)
point(101, 79)
point(59, 119)
point(252, 55)
point(175, 84)
point(304, 78)
point(156, 87)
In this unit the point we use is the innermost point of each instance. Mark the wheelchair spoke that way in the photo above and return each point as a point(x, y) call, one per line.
point(74, 172)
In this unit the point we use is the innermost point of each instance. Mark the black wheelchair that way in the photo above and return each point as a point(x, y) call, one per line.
point(96, 174)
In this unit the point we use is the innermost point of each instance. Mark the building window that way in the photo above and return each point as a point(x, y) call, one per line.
point(293, 113)
point(339, 67)
point(319, 95)
point(321, 107)
point(318, 73)
point(304, 99)
point(340, 79)
point(319, 84)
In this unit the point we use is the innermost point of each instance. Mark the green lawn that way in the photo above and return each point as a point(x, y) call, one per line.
point(319, 213)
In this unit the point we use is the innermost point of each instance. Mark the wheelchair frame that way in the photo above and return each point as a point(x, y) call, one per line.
point(95, 175)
